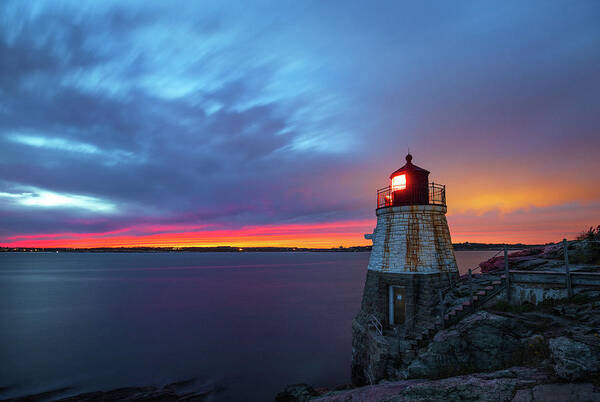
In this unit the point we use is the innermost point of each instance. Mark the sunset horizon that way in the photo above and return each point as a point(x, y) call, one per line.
point(325, 235)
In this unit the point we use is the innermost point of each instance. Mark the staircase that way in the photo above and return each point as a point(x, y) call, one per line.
point(481, 295)
point(374, 324)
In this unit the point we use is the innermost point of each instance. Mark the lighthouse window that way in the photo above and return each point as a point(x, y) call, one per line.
point(399, 182)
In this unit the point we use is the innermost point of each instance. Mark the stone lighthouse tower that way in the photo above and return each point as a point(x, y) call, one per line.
point(412, 258)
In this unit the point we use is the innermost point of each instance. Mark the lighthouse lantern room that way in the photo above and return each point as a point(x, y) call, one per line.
point(410, 185)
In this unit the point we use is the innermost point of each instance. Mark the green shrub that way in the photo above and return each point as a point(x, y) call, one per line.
point(587, 253)
point(590, 234)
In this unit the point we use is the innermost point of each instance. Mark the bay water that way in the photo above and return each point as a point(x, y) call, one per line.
point(238, 325)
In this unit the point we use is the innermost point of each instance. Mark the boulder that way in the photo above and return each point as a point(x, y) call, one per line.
point(527, 252)
point(529, 258)
point(296, 393)
point(554, 251)
point(492, 264)
point(574, 360)
point(481, 342)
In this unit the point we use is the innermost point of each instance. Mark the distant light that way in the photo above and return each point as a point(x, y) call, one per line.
point(399, 182)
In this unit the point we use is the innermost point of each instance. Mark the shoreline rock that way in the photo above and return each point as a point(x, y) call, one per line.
point(177, 391)
point(514, 384)
point(542, 354)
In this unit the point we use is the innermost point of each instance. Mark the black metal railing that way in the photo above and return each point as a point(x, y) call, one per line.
point(437, 196)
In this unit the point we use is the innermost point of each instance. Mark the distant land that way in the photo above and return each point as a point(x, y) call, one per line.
point(466, 246)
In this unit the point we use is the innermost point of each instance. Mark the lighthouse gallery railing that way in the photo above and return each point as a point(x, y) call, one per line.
point(437, 196)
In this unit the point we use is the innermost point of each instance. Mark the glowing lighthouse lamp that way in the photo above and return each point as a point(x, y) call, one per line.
point(399, 182)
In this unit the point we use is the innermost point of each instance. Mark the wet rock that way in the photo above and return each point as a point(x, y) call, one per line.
point(574, 360)
point(130, 393)
point(177, 391)
point(558, 393)
point(296, 393)
point(495, 386)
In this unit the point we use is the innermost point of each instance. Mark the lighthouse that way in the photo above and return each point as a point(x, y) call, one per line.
point(411, 260)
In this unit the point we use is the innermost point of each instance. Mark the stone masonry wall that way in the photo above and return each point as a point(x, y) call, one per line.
point(374, 356)
point(412, 239)
point(422, 300)
point(532, 293)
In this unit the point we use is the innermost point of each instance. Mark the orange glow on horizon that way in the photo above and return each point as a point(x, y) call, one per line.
point(318, 235)
point(474, 229)
point(482, 208)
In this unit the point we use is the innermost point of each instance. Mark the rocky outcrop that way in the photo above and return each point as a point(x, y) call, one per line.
point(497, 262)
point(558, 393)
point(296, 393)
point(516, 384)
point(579, 251)
point(489, 340)
point(566, 337)
point(496, 355)
point(584, 251)
point(481, 342)
point(574, 360)
point(496, 386)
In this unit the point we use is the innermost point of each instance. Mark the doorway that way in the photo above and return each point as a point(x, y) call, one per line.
point(397, 305)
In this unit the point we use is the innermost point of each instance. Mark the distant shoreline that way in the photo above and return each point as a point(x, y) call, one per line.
point(232, 249)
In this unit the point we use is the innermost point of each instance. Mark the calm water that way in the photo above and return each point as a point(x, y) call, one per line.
point(249, 323)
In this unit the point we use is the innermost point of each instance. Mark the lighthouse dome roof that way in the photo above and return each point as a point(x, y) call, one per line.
point(409, 167)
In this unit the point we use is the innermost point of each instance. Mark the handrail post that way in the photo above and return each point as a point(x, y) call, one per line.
point(441, 307)
point(471, 289)
point(567, 271)
point(506, 273)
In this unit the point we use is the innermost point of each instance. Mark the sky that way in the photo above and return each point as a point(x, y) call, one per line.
point(200, 123)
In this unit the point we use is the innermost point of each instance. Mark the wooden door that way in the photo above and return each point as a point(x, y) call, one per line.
point(399, 303)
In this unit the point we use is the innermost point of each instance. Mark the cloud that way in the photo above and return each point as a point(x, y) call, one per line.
point(39, 198)
point(56, 143)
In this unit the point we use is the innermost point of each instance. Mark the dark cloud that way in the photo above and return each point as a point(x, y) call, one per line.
point(183, 163)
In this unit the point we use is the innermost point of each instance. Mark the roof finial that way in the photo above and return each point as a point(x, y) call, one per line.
point(408, 157)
